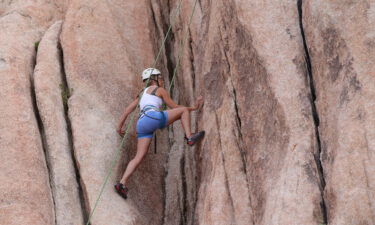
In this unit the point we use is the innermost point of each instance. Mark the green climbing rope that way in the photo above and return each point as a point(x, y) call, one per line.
point(115, 160)
point(182, 46)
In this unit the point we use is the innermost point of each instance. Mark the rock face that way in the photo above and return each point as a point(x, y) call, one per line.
point(257, 159)
point(25, 194)
point(340, 40)
point(288, 112)
point(103, 71)
point(50, 90)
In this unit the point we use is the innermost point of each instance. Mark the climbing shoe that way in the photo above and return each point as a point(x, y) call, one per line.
point(122, 190)
point(195, 137)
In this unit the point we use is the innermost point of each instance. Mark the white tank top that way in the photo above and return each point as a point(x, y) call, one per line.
point(148, 99)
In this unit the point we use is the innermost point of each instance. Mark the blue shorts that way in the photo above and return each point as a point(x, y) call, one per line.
point(149, 123)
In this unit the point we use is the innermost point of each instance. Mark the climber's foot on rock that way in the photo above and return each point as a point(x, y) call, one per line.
point(122, 190)
point(195, 137)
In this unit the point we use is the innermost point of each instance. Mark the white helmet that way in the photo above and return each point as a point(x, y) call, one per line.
point(148, 72)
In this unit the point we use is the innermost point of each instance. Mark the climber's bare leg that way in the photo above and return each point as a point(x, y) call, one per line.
point(183, 114)
point(142, 148)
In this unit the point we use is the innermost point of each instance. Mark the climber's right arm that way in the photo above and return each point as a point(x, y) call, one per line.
point(125, 115)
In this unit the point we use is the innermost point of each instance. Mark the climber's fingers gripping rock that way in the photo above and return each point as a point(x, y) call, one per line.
point(199, 102)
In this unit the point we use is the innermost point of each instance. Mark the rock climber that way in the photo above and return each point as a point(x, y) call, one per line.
point(152, 118)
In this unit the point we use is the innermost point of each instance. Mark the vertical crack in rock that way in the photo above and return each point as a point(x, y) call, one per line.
point(184, 190)
point(161, 26)
point(238, 118)
point(65, 94)
point(170, 59)
point(314, 113)
point(192, 63)
point(240, 142)
point(164, 188)
point(41, 130)
point(237, 111)
point(171, 49)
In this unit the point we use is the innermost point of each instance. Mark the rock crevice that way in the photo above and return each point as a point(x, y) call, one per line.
point(65, 95)
point(42, 132)
point(51, 96)
point(314, 112)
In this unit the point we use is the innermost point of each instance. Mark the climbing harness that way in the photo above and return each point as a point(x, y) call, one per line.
point(115, 160)
point(148, 108)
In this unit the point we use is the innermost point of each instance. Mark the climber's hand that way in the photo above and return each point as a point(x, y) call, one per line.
point(199, 102)
point(120, 132)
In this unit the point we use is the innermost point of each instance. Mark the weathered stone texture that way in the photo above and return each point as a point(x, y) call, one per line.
point(25, 195)
point(257, 159)
point(50, 90)
point(340, 37)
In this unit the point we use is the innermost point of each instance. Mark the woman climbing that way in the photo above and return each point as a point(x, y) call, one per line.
point(152, 118)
